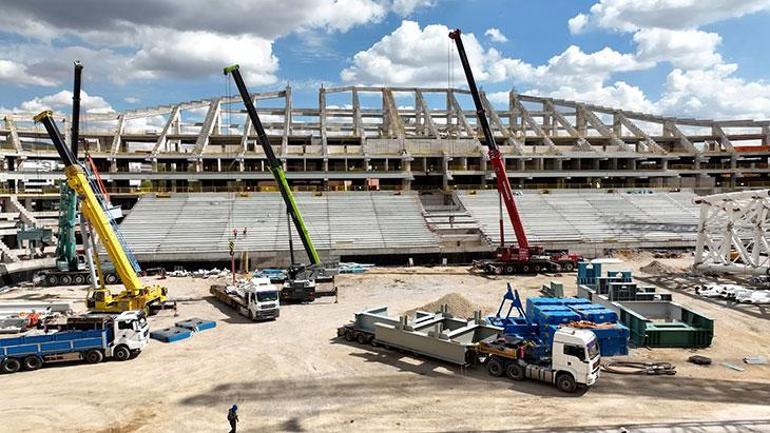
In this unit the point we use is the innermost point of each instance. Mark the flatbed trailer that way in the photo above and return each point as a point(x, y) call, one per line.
point(257, 300)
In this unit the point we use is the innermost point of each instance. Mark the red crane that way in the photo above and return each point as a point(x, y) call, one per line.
point(522, 258)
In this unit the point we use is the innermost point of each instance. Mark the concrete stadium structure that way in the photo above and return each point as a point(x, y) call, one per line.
point(364, 138)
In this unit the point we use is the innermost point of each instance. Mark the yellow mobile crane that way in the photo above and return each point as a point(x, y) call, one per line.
point(135, 296)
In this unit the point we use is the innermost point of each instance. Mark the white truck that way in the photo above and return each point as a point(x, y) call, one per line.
point(91, 337)
point(257, 299)
point(574, 359)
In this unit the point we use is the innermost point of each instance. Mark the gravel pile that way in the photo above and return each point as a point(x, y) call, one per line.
point(458, 306)
point(655, 267)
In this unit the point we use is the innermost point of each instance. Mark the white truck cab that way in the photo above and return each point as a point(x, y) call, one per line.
point(261, 298)
point(575, 353)
point(131, 331)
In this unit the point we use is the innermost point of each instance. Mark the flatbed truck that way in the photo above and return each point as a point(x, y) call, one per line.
point(573, 363)
point(258, 299)
point(92, 338)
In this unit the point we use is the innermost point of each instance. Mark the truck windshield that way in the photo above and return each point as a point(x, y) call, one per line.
point(593, 349)
point(267, 296)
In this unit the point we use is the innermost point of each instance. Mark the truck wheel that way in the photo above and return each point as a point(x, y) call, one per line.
point(79, 279)
point(65, 280)
point(494, 367)
point(514, 371)
point(121, 353)
point(509, 270)
point(111, 279)
point(568, 267)
point(32, 363)
point(11, 365)
point(361, 338)
point(349, 335)
point(88, 279)
point(94, 356)
point(536, 268)
point(51, 280)
point(525, 269)
point(566, 383)
point(340, 332)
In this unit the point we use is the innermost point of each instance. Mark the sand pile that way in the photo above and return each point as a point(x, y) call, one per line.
point(656, 267)
point(458, 306)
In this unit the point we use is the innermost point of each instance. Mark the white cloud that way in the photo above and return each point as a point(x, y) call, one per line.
point(689, 49)
point(411, 55)
point(406, 7)
point(132, 99)
point(619, 94)
point(195, 54)
point(715, 93)
point(148, 39)
point(344, 14)
point(495, 35)
point(18, 73)
point(577, 23)
point(414, 56)
point(631, 15)
point(62, 102)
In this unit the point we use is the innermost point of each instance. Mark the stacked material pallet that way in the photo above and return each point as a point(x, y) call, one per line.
point(551, 313)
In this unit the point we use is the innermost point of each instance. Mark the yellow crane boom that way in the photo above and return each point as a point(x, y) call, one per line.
point(136, 296)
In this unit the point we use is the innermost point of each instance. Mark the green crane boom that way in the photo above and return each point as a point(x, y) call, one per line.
point(66, 249)
point(275, 166)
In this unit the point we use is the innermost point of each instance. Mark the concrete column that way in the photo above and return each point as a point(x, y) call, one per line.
point(580, 123)
point(406, 165)
point(617, 126)
point(513, 113)
point(322, 118)
point(614, 163)
point(766, 135)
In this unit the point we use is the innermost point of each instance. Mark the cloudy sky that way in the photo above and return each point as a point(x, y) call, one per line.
point(697, 58)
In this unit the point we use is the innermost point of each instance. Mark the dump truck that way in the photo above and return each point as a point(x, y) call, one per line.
point(257, 299)
point(573, 363)
point(91, 337)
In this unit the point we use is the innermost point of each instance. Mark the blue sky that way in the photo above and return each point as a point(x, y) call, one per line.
point(685, 57)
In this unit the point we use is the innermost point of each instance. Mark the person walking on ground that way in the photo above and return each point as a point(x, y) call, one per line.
point(232, 417)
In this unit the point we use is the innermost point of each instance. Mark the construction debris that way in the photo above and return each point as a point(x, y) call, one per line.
point(734, 292)
point(699, 360)
point(639, 367)
point(354, 268)
point(733, 367)
point(200, 273)
point(755, 360)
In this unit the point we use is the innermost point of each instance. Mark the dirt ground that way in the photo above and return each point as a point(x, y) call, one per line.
point(294, 375)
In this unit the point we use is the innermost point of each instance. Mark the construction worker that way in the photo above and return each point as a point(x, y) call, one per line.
point(232, 417)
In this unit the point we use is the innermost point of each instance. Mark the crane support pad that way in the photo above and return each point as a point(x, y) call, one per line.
point(170, 335)
point(196, 325)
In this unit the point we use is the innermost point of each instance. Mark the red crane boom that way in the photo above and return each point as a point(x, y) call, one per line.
point(509, 260)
